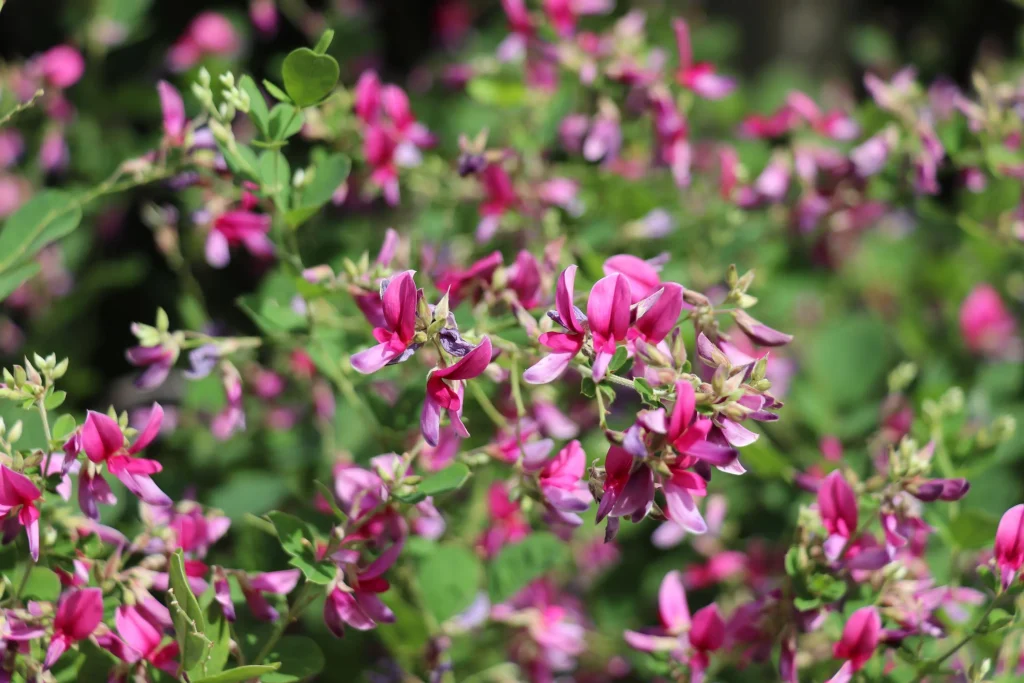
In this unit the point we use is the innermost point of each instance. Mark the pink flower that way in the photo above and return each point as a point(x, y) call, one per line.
point(157, 361)
point(102, 441)
point(561, 15)
point(263, 15)
point(173, 109)
point(395, 337)
point(700, 77)
point(641, 275)
point(608, 314)
point(445, 391)
point(687, 430)
point(524, 279)
point(142, 634)
point(860, 638)
point(506, 523)
point(366, 95)
point(210, 33)
point(464, 283)
point(660, 317)
point(1009, 545)
point(62, 66)
point(628, 487)
point(499, 197)
point(277, 583)
point(359, 607)
point(395, 104)
point(837, 506)
point(18, 493)
point(688, 639)
point(239, 227)
point(78, 614)
point(986, 326)
point(564, 345)
point(561, 480)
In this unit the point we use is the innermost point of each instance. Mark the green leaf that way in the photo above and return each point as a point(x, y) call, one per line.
point(63, 427)
point(42, 584)
point(619, 359)
point(276, 92)
point(298, 541)
point(329, 497)
point(219, 632)
point(14, 278)
point(324, 42)
point(328, 175)
point(258, 111)
point(448, 479)
point(248, 492)
point(973, 529)
point(55, 400)
point(240, 674)
point(276, 177)
point(588, 388)
point(241, 160)
point(187, 615)
point(44, 218)
point(309, 77)
point(805, 604)
point(497, 93)
point(449, 578)
point(273, 318)
point(285, 121)
point(518, 565)
point(300, 657)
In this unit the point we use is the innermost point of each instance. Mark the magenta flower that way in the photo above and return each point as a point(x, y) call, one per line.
point(672, 138)
point(561, 480)
point(18, 496)
point(356, 604)
point(758, 332)
point(628, 487)
point(941, 489)
point(1009, 545)
point(861, 636)
point(608, 315)
point(209, 33)
point(102, 441)
point(445, 391)
point(499, 198)
point(700, 77)
point(641, 275)
point(564, 345)
point(366, 96)
point(524, 279)
point(395, 104)
point(379, 147)
point(506, 523)
point(986, 325)
point(239, 227)
point(157, 361)
point(657, 315)
point(278, 583)
point(263, 15)
point(687, 431)
point(78, 614)
point(837, 506)
point(395, 337)
point(141, 638)
point(62, 66)
point(467, 282)
point(173, 109)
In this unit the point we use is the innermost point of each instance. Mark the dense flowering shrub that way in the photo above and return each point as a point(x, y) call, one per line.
point(599, 446)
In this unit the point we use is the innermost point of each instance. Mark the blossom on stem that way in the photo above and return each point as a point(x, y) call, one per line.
point(141, 637)
point(860, 638)
point(445, 392)
point(173, 110)
point(987, 327)
point(18, 496)
point(103, 442)
point(699, 77)
point(238, 227)
point(608, 315)
point(78, 614)
point(395, 337)
point(355, 603)
point(837, 506)
point(1009, 544)
point(564, 345)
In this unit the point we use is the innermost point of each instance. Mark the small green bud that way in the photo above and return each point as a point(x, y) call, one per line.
point(15, 433)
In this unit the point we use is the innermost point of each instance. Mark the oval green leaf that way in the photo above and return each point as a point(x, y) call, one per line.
point(309, 77)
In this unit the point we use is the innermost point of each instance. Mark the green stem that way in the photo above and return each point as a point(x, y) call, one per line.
point(496, 417)
point(306, 595)
point(614, 379)
point(929, 667)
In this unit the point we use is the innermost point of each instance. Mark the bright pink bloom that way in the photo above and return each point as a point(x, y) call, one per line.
point(985, 323)
point(238, 227)
point(210, 33)
point(445, 391)
point(62, 66)
point(518, 17)
point(103, 441)
point(506, 522)
point(395, 337)
point(672, 138)
point(263, 15)
point(608, 314)
point(561, 15)
point(467, 283)
point(641, 275)
point(700, 77)
point(366, 95)
point(561, 480)
point(707, 634)
point(860, 638)
point(524, 279)
point(1009, 545)
point(359, 607)
point(500, 197)
point(173, 109)
point(628, 487)
point(142, 634)
point(395, 104)
point(78, 615)
point(657, 315)
point(564, 345)
point(837, 505)
point(277, 583)
point(157, 361)
point(17, 492)
point(687, 430)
